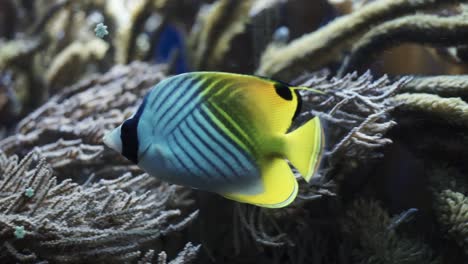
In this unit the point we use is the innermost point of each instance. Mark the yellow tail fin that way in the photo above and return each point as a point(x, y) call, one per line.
point(279, 186)
point(304, 147)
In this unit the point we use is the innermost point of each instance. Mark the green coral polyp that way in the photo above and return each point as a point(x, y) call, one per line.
point(101, 30)
point(19, 232)
point(29, 192)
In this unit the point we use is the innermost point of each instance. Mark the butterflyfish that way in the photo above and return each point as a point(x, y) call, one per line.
point(224, 133)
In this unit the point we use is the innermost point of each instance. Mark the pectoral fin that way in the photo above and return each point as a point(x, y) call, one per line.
point(279, 186)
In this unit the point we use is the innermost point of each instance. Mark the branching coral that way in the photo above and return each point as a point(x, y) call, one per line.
point(422, 29)
point(71, 62)
point(42, 219)
point(80, 115)
point(57, 46)
point(113, 209)
point(442, 85)
point(224, 20)
point(368, 223)
point(356, 113)
point(450, 189)
point(319, 48)
point(451, 110)
point(357, 110)
point(452, 213)
point(15, 51)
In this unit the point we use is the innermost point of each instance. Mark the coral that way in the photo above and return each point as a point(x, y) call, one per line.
point(315, 50)
point(451, 110)
point(109, 220)
point(69, 127)
point(422, 29)
point(450, 189)
point(452, 213)
point(116, 219)
point(101, 30)
point(60, 90)
point(187, 255)
point(224, 20)
point(356, 109)
point(443, 85)
point(368, 224)
point(17, 51)
point(125, 16)
point(70, 63)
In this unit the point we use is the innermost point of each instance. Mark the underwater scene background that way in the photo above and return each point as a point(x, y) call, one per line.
point(393, 183)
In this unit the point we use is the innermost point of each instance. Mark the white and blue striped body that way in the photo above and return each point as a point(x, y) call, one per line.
point(180, 142)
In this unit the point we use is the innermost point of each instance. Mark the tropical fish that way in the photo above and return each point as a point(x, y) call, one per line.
point(225, 133)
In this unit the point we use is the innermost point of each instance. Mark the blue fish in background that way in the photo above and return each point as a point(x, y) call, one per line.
point(171, 42)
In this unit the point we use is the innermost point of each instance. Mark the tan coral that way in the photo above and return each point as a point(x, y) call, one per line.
point(452, 213)
point(314, 50)
point(216, 29)
point(368, 225)
point(124, 14)
point(452, 110)
point(70, 63)
point(451, 85)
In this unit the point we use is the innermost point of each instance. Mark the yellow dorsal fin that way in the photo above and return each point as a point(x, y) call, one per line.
point(279, 186)
point(304, 147)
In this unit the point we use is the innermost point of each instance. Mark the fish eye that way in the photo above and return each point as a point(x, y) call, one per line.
point(283, 91)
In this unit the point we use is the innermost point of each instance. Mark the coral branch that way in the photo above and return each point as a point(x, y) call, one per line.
point(314, 50)
point(452, 110)
point(452, 211)
point(421, 29)
point(368, 224)
point(444, 85)
point(67, 215)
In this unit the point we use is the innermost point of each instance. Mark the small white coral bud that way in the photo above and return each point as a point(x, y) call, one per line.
point(19, 232)
point(101, 30)
point(29, 192)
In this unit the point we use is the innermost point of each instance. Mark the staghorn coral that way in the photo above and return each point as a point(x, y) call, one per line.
point(42, 219)
point(321, 47)
point(367, 223)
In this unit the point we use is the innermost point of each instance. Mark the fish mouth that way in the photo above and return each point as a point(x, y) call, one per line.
point(107, 139)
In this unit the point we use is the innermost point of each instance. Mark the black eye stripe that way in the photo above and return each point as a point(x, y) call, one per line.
point(129, 134)
point(283, 91)
point(129, 137)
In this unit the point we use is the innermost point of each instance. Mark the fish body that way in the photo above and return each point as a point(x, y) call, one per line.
point(224, 133)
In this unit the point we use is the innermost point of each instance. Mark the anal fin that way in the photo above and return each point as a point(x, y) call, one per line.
point(279, 186)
